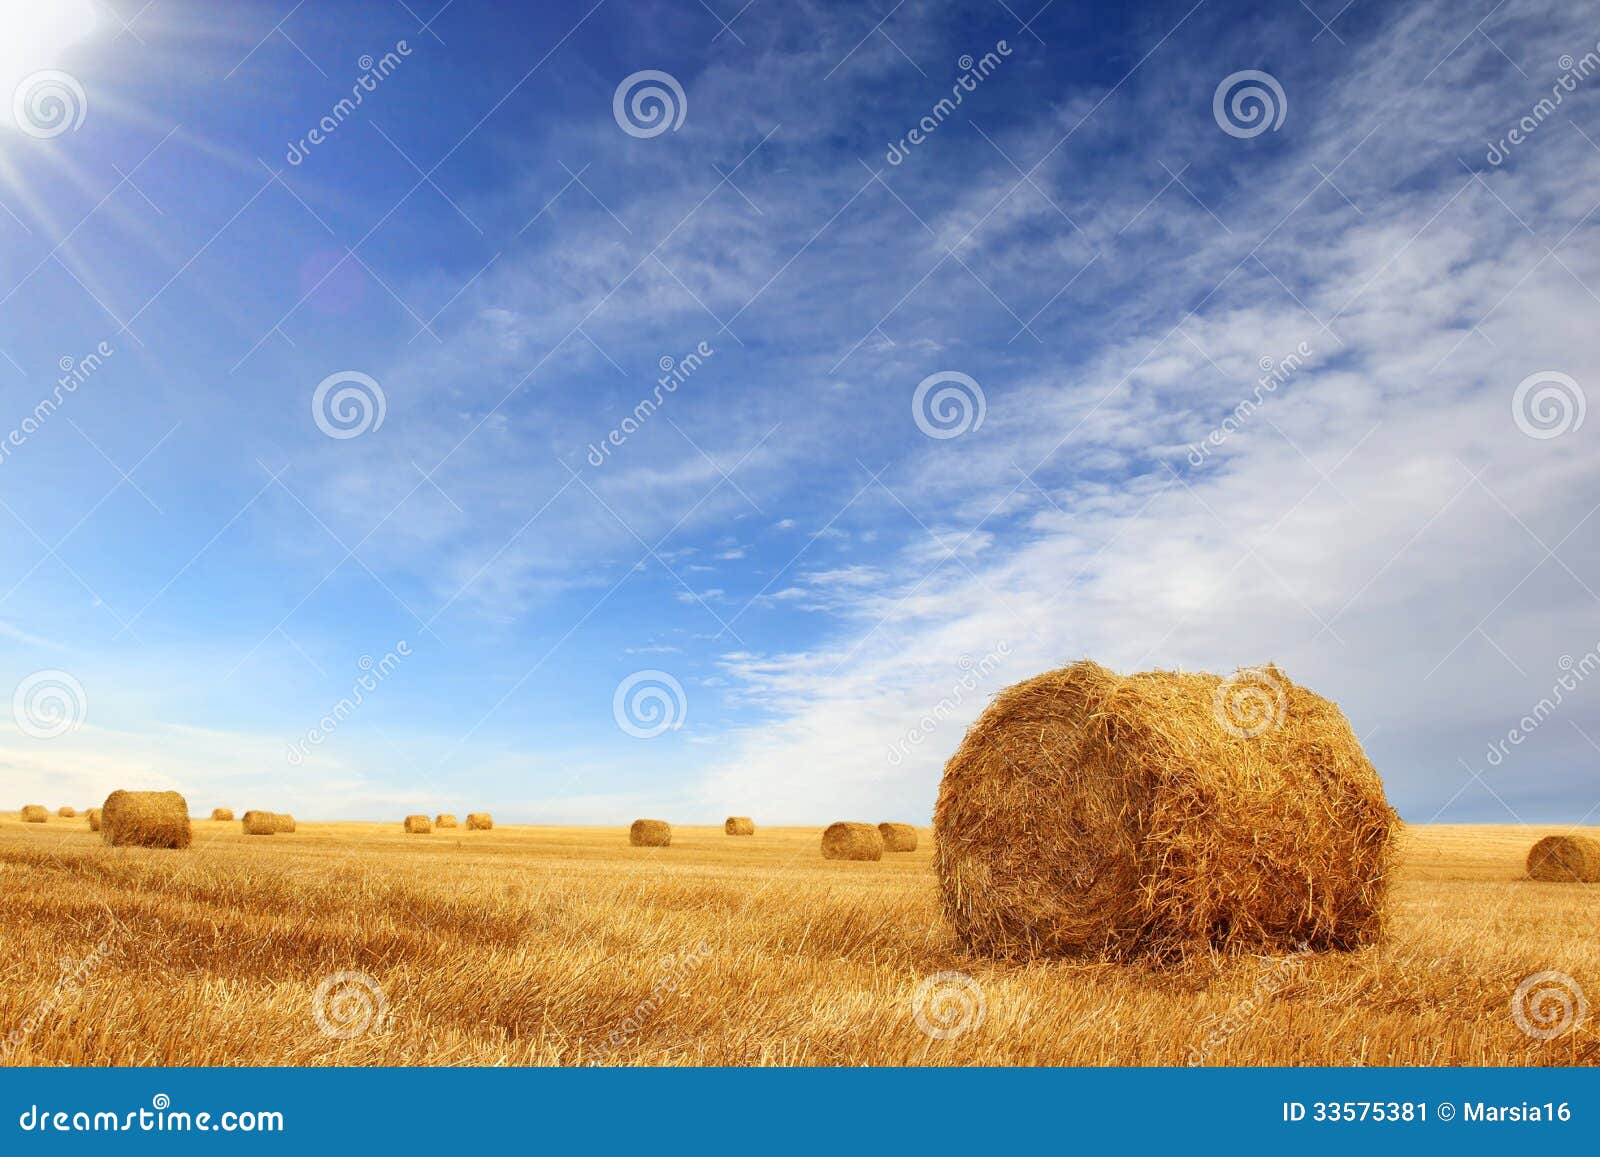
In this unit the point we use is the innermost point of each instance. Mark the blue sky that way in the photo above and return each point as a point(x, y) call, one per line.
point(204, 573)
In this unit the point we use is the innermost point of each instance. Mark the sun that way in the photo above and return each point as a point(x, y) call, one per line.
point(37, 32)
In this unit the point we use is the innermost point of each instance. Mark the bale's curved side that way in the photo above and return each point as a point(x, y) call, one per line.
point(419, 825)
point(739, 826)
point(34, 813)
point(93, 815)
point(222, 814)
point(444, 820)
point(145, 819)
point(848, 841)
point(260, 823)
point(1087, 813)
point(650, 834)
point(898, 837)
point(1565, 859)
point(479, 822)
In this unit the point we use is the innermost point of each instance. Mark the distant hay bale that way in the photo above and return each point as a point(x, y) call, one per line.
point(222, 814)
point(1092, 814)
point(68, 813)
point(1565, 859)
point(444, 820)
point(898, 837)
point(847, 841)
point(650, 834)
point(419, 825)
point(260, 823)
point(145, 819)
point(35, 813)
point(283, 823)
point(94, 819)
point(739, 826)
point(479, 822)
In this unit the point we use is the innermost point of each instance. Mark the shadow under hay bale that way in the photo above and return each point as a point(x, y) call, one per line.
point(847, 841)
point(444, 820)
point(739, 826)
point(145, 819)
point(898, 837)
point(222, 814)
point(1151, 815)
point(1565, 859)
point(34, 813)
point(260, 823)
point(93, 815)
point(479, 822)
point(650, 834)
point(419, 825)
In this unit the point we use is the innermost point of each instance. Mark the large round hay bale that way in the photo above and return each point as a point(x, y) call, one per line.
point(479, 822)
point(34, 813)
point(222, 814)
point(419, 825)
point(1565, 859)
point(260, 823)
point(650, 834)
point(898, 837)
point(739, 826)
point(283, 823)
point(1088, 813)
point(68, 813)
point(94, 819)
point(145, 819)
point(847, 841)
point(444, 820)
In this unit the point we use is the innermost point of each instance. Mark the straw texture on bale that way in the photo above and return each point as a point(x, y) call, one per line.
point(419, 825)
point(898, 837)
point(94, 819)
point(222, 814)
point(847, 841)
point(1565, 859)
point(283, 823)
point(145, 819)
point(1152, 815)
point(444, 820)
point(479, 822)
point(650, 834)
point(35, 813)
point(739, 826)
point(260, 823)
point(68, 813)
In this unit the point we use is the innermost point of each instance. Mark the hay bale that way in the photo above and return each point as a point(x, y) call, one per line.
point(34, 813)
point(479, 822)
point(94, 819)
point(846, 841)
point(1565, 859)
point(1092, 814)
point(898, 837)
point(222, 814)
point(145, 819)
point(444, 820)
point(650, 834)
point(419, 825)
point(68, 813)
point(260, 823)
point(739, 826)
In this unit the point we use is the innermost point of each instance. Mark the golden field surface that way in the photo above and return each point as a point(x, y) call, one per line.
point(533, 945)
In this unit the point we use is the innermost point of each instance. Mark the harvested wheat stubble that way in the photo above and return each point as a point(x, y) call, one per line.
point(283, 823)
point(1565, 859)
point(419, 825)
point(898, 837)
point(739, 826)
point(222, 814)
point(650, 834)
point(847, 841)
point(35, 813)
point(145, 819)
point(93, 815)
point(1092, 814)
point(260, 823)
point(68, 813)
point(479, 822)
point(444, 820)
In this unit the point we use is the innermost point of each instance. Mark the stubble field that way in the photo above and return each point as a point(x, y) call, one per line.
point(355, 944)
